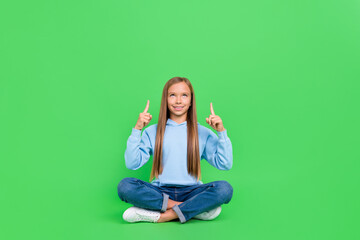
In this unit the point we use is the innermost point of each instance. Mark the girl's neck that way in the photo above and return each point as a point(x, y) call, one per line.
point(178, 119)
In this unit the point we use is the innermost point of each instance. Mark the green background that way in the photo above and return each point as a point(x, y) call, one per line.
point(282, 75)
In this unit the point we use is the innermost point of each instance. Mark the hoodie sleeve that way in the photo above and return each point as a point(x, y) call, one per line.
point(138, 149)
point(218, 150)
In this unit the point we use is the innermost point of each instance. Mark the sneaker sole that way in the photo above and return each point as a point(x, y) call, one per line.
point(216, 213)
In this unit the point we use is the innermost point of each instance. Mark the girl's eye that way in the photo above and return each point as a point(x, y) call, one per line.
point(173, 94)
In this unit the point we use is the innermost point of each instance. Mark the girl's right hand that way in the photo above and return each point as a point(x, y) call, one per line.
point(144, 118)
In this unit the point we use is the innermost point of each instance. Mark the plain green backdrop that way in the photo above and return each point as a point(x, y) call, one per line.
point(282, 75)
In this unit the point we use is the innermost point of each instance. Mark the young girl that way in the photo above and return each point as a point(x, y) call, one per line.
point(178, 143)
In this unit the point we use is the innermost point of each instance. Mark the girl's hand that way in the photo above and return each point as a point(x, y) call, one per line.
point(215, 121)
point(144, 118)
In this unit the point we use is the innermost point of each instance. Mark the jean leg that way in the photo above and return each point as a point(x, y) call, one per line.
point(142, 194)
point(204, 198)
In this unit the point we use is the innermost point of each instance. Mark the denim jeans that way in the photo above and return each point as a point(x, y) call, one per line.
point(196, 198)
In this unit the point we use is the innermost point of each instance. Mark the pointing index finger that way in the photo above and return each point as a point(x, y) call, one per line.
point(147, 106)
point(212, 109)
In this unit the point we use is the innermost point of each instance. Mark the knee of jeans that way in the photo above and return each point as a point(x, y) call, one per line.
point(224, 190)
point(124, 186)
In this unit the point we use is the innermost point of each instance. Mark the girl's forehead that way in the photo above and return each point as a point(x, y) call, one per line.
point(179, 87)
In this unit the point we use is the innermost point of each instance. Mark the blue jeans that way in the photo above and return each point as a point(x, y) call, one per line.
point(196, 198)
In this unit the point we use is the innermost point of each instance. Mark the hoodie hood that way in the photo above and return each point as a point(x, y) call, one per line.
point(173, 123)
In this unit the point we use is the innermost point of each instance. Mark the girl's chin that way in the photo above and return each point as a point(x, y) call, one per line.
point(179, 113)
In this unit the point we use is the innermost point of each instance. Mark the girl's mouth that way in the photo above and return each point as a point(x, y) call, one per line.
point(178, 108)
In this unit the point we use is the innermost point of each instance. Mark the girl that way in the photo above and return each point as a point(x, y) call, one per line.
point(178, 143)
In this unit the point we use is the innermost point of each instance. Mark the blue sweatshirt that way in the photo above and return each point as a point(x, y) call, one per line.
point(215, 150)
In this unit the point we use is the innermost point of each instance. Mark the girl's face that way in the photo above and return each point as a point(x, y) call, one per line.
point(179, 101)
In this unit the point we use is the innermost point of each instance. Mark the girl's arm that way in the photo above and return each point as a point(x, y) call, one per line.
point(218, 150)
point(138, 149)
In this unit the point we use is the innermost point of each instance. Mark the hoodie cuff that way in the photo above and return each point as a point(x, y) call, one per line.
point(222, 135)
point(136, 133)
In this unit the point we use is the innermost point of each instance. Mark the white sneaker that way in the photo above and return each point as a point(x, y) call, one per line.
point(135, 214)
point(209, 215)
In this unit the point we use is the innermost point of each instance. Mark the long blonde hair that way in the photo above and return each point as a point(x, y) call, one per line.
point(193, 157)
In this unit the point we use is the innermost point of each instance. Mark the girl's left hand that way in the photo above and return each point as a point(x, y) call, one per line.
point(215, 121)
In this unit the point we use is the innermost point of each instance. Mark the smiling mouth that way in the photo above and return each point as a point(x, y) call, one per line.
point(178, 108)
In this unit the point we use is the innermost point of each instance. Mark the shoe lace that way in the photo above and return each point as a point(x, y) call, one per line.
point(145, 214)
point(149, 212)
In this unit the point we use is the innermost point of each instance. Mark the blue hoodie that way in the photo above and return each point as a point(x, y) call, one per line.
point(215, 150)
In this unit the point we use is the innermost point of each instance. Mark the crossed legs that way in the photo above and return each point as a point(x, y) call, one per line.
point(203, 198)
point(169, 214)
